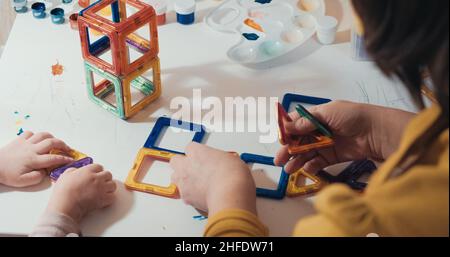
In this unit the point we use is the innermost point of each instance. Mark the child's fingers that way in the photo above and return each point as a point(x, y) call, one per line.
point(95, 168)
point(282, 156)
point(108, 199)
point(26, 135)
point(50, 160)
point(38, 137)
point(31, 178)
point(110, 187)
point(69, 170)
point(48, 144)
point(105, 175)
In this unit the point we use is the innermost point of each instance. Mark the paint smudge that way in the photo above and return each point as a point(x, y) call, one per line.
point(250, 36)
point(263, 1)
point(57, 69)
point(199, 217)
point(19, 123)
point(252, 24)
point(258, 15)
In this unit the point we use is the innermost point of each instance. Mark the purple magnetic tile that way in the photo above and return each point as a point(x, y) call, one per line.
point(138, 47)
point(54, 175)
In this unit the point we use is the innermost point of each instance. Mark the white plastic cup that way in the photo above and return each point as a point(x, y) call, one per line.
point(326, 27)
point(160, 7)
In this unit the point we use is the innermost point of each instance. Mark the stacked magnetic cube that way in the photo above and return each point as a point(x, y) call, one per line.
point(119, 41)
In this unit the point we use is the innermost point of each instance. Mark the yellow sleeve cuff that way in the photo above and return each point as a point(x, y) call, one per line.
point(235, 223)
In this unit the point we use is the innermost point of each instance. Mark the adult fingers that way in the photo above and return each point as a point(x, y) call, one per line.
point(200, 151)
point(316, 164)
point(301, 126)
point(282, 156)
point(178, 164)
point(298, 162)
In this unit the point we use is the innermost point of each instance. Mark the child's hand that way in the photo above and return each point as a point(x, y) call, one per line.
point(80, 191)
point(360, 131)
point(212, 180)
point(24, 160)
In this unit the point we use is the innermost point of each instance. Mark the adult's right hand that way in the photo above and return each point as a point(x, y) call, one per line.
point(360, 131)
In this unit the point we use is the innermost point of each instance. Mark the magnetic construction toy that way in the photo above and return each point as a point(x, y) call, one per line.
point(297, 145)
point(280, 192)
point(132, 183)
point(351, 174)
point(124, 36)
point(54, 175)
point(288, 99)
point(80, 160)
point(293, 189)
point(163, 122)
point(151, 150)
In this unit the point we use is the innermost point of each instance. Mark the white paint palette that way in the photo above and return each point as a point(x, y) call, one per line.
point(267, 28)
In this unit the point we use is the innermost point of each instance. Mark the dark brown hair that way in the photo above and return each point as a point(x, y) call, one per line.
point(407, 38)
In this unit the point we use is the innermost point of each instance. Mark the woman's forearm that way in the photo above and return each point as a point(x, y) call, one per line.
point(388, 125)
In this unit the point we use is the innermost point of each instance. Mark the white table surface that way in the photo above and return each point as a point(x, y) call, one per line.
point(191, 57)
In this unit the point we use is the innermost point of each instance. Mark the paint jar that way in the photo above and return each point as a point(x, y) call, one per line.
point(66, 1)
point(326, 27)
point(38, 10)
point(20, 6)
point(185, 10)
point(160, 9)
point(57, 15)
point(358, 46)
point(73, 20)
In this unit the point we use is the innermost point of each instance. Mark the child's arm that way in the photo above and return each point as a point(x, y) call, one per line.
point(76, 193)
point(24, 160)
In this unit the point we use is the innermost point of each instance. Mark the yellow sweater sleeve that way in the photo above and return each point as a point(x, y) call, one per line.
point(413, 204)
point(235, 223)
